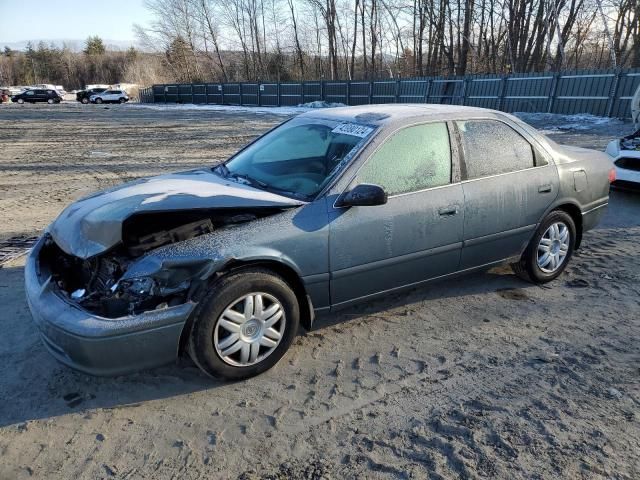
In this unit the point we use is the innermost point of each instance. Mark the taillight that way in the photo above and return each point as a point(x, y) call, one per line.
point(612, 175)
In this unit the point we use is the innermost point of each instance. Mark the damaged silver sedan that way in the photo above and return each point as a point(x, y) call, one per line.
point(326, 210)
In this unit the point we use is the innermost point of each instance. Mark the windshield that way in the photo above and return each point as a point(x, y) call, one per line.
point(299, 157)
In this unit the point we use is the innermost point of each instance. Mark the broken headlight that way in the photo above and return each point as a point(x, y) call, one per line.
point(137, 287)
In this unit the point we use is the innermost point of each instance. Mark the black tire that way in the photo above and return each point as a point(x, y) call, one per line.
point(98, 100)
point(84, 100)
point(527, 268)
point(122, 100)
point(51, 101)
point(223, 293)
point(20, 101)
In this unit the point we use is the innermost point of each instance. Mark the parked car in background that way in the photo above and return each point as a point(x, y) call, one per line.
point(37, 95)
point(625, 155)
point(326, 210)
point(110, 96)
point(625, 152)
point(84, 96)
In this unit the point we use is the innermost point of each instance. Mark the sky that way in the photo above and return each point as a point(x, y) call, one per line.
point(70, 19)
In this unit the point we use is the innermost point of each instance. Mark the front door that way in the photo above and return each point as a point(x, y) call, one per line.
point(416, 235)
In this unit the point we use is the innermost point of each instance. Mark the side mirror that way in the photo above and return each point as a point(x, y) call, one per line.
point(364, 195)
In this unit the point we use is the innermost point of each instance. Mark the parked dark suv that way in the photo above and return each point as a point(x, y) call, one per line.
point(37, 95)
point(84, 95)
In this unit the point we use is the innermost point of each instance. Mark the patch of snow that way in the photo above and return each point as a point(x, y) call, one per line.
point(553, 123)
point(285, 111)
point(321, 104)
point(99, 154)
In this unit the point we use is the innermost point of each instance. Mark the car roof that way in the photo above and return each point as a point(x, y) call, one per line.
point(386, 114)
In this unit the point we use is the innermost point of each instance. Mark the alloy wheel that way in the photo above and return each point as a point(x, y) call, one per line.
point(553, 247)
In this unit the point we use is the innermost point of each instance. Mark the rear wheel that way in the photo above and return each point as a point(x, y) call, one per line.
point(50, 101)
point(85, 100)
point(245, 325)
point(550, 249)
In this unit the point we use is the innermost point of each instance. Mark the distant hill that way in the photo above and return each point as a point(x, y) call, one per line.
point(73, 43)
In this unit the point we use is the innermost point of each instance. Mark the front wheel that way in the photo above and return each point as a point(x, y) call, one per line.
point(122, 100)
point(20, 101)
point(98, 100)
point(50, 101)
point(245, 324)
point(550, 249)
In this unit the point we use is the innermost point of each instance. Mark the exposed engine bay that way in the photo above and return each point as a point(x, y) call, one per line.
point(96, 283)
point(631, 142)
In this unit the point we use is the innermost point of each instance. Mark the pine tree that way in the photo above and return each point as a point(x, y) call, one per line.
point(94, 46)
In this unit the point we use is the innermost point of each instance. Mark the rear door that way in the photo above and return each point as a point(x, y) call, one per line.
point(508, 185)
point(417, 234)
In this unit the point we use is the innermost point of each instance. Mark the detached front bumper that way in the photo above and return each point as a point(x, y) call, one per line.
point(97, 345)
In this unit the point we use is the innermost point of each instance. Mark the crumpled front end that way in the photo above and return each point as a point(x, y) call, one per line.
point(90, 342)
point(125, 308)
point(109, 284)
point(129, 279)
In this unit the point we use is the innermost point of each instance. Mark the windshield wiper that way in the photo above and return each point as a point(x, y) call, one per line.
point(222, 170)
point(246, 179)
point(265, 186)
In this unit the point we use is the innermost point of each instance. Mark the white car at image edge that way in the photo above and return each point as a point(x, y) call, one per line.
point(625, 152)
point(110, 96)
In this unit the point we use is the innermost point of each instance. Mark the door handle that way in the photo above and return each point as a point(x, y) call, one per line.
point(448, 211)
point(544, 188)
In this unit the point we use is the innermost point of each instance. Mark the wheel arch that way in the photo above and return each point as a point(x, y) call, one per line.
point(575, 213)
point(288, 273)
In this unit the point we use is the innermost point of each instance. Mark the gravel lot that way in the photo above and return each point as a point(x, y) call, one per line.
point(486, 376)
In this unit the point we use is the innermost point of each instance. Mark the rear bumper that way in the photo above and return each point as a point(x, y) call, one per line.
point(627, 185)
point(97, 345)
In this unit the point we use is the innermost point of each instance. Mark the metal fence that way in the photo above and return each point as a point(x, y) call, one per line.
point(598, 92)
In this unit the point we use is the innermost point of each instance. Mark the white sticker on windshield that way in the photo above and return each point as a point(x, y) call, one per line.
point(352, 129)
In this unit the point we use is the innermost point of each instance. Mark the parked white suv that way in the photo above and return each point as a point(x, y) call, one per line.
point(110, 96)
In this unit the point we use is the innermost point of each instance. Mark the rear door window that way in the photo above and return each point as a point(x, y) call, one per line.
point(492, 147)
point(413, 159)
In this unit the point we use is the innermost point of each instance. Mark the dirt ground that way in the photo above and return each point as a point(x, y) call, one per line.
point(481, 377)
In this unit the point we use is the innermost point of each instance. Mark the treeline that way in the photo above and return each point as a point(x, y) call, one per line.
point(60, 65)
point(248, 40)
point(356, 39)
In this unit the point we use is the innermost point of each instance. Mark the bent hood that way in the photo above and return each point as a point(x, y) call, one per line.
point(93, 224)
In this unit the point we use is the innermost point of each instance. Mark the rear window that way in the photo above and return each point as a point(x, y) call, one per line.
point(492, 147)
